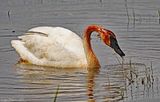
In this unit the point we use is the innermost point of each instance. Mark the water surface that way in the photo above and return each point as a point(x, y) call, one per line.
point(137, 26)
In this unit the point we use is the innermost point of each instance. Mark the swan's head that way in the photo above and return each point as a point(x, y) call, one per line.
point(109, 39)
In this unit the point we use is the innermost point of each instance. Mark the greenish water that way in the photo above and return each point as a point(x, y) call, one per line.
point(137, 26)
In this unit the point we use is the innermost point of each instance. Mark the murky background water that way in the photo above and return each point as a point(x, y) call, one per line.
point(137, 26)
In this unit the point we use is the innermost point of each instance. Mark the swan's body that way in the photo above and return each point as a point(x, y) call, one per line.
point(58, 47)
point(51, 46)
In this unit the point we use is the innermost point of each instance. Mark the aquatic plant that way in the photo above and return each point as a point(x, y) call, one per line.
point(56, 94)
point(159, 16)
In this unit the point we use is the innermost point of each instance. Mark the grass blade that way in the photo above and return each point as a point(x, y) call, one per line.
point(56, 94)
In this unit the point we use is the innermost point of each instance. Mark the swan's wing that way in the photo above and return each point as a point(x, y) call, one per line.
point(54, 44)
point(44, 48)
point(65, 38)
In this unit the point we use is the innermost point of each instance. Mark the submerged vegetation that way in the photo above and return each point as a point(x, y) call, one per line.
point(134, 77)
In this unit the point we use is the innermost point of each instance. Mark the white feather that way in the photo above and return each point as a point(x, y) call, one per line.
point(51, 46)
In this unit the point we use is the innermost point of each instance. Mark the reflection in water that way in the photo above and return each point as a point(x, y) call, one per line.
point(91, 83)
point(44, 81)
point(36, 73)
point(111, 83)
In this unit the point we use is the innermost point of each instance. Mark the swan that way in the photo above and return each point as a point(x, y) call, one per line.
point(60, 47)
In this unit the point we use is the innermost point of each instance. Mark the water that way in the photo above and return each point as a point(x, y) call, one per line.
point(136, 24)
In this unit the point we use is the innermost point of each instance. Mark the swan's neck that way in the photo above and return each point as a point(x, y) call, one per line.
point(92, 60)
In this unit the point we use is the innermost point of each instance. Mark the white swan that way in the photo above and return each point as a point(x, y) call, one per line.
point(60, 47)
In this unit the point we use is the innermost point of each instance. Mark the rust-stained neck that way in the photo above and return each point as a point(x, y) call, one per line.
point(91, 57)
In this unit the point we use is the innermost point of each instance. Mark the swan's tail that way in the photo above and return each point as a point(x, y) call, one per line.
point(24, 53)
